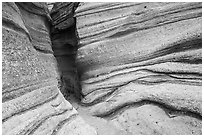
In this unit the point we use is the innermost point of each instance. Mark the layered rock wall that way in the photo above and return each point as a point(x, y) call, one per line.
point(141, 63)
point(136, 66)
point(31, 100)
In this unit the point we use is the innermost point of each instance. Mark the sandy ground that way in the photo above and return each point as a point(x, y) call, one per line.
point(147, 119)
point(102, 126)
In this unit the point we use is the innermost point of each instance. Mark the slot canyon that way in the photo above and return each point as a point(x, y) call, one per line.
point(101, 68)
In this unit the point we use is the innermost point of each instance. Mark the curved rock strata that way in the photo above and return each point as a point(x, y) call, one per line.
point(135, 66)
point(133, 54)
point(32, 102)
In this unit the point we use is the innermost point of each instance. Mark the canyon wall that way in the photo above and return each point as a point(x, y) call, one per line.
point(137, 66)
point(31, 100)
point(140, 65)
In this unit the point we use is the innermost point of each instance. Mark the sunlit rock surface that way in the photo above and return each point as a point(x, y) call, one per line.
point(141, 65)
point(31, 100)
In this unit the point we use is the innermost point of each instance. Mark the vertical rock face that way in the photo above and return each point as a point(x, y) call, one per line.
point(140, 64)
point(139, 67)
point(64, 40)
point(32, 102)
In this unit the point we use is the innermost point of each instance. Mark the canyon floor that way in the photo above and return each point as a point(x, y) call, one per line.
point(101, 125)
point(111, 125)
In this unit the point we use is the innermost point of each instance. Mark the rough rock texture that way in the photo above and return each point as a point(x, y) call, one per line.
point(135, 66)
point(140, 65)
point(32, 102)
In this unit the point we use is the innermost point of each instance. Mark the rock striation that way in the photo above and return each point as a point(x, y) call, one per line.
point(141, 65)
point(31, 100)
point(136, 68)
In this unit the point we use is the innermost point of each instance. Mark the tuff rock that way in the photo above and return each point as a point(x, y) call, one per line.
point(135, 68)
point(31, 100)
point(141, 63)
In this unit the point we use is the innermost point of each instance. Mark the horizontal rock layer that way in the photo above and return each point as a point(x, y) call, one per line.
point(32, 102)
point(132, 54)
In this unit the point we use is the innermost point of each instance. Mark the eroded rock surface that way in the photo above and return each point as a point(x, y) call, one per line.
point(32, 102)
point(135, 66)
point(140, 64)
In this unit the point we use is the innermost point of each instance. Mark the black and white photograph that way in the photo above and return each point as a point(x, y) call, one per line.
point(101, 67)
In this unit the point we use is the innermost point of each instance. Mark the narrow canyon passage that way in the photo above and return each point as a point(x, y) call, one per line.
point(65, 44)
point(102, 68)
point(86, 43)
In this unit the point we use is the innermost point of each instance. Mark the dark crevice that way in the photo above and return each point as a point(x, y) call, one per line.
point(65, 44)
